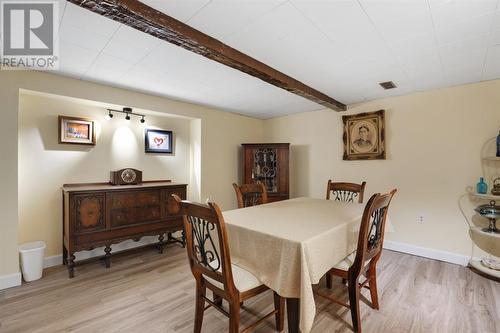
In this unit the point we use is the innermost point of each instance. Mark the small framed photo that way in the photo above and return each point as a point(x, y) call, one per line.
point(364, 136)
point(76, 130)
point(158, 141)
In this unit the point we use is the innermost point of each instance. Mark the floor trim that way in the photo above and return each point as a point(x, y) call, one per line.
point(9, 281)
point(450, 257)
point(445, 256)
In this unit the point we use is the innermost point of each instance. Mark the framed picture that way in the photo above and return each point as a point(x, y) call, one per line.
point(364, 136)
point(76, 130)
point(158, 141)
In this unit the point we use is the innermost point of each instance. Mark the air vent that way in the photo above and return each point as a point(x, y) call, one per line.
point(387, 85)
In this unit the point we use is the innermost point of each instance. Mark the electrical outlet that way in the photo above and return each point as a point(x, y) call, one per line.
point(421, 218)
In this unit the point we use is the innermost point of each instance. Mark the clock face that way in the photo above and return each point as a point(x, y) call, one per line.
point(128, 176)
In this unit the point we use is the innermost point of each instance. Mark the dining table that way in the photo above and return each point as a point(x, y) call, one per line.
point(289, 246)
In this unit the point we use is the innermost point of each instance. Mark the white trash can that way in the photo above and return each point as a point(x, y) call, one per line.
point(32, 255)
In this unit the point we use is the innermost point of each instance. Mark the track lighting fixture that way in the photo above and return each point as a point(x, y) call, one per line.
point(128, 112)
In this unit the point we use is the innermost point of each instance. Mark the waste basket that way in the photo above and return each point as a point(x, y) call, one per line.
point(32, 255)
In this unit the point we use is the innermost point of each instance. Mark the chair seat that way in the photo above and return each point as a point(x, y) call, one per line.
point(243, 279)
point(346, 262)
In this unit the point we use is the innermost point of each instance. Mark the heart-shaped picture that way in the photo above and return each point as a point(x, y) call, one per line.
point(158, 141)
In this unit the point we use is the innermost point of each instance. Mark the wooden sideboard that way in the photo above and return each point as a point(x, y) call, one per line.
point(97, 215)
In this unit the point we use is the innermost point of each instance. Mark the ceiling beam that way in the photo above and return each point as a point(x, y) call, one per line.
point(139, 16)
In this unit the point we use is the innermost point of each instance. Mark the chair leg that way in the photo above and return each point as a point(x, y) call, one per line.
point(354, 295)
point(234, 317)
point(279, 305)
point(328, 280)
point(200, 308)
point(373, 288)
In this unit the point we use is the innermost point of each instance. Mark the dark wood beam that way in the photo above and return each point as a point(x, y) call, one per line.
point(146, 19)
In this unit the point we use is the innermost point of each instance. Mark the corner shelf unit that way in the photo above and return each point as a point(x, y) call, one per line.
point(485, 241)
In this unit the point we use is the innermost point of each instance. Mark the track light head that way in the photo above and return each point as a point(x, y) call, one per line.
point(127, 117)
point(143, 120)
point(110, 115)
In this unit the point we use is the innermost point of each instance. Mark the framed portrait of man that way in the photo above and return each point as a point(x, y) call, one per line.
point(364, 136)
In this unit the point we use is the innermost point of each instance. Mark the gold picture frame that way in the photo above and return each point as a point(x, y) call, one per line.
point(364, 136)
point(76, 130)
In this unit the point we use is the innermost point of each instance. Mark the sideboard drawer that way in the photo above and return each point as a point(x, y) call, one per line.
point(133, 199)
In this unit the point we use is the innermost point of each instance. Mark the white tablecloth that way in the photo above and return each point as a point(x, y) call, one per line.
point(289, 245)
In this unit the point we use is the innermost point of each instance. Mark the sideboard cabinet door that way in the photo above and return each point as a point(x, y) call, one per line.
point(90, 212)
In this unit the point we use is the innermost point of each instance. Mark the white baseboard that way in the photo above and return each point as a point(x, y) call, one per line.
point(82, 255)
point(453, 258)
point(11, 280)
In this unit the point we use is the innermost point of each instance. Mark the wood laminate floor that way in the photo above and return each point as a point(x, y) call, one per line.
point(147, 292)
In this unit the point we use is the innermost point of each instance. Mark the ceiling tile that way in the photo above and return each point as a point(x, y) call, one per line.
point(130, 44)
point(84, 19)
point(75, 60)
point(428, 64)
point(181, 10)
point(455, 11)
point(495, 37)
point(466, 60)
point(399, 20)
point(464, 29)
point(108, 68)
point(83, 37)
point(462, 76)
point(492, 64)
point(344, 22)
point(415, 46)
point(221, 17)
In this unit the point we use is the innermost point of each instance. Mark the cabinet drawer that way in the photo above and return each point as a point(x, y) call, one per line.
point(133, 199)
point(134, 207)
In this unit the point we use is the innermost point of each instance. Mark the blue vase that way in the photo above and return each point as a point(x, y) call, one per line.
point(498, 144)
point(482, 187)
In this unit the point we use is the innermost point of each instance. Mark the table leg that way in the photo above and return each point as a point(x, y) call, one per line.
point(293, 314)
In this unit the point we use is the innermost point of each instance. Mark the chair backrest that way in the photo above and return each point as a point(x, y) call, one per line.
point(346, 192)
point(250, 194)
point(371, 231)
point(206, 241)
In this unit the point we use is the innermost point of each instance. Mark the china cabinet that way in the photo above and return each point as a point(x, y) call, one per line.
point(268, 163)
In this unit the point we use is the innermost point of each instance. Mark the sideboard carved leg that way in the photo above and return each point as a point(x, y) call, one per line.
point(71, 265)
point(107, 256)
point(160, 243)
point(65, 255)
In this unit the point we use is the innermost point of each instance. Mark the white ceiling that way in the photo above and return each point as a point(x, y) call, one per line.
point(341, 47)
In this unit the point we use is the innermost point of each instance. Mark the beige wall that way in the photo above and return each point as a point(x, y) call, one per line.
point(221, 135)
point(434, 141)
point(44, 164)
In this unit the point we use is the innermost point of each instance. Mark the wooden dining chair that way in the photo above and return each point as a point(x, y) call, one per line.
point(210, 261)
point(250, 194)
point(363, 262)
point(346, 192)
